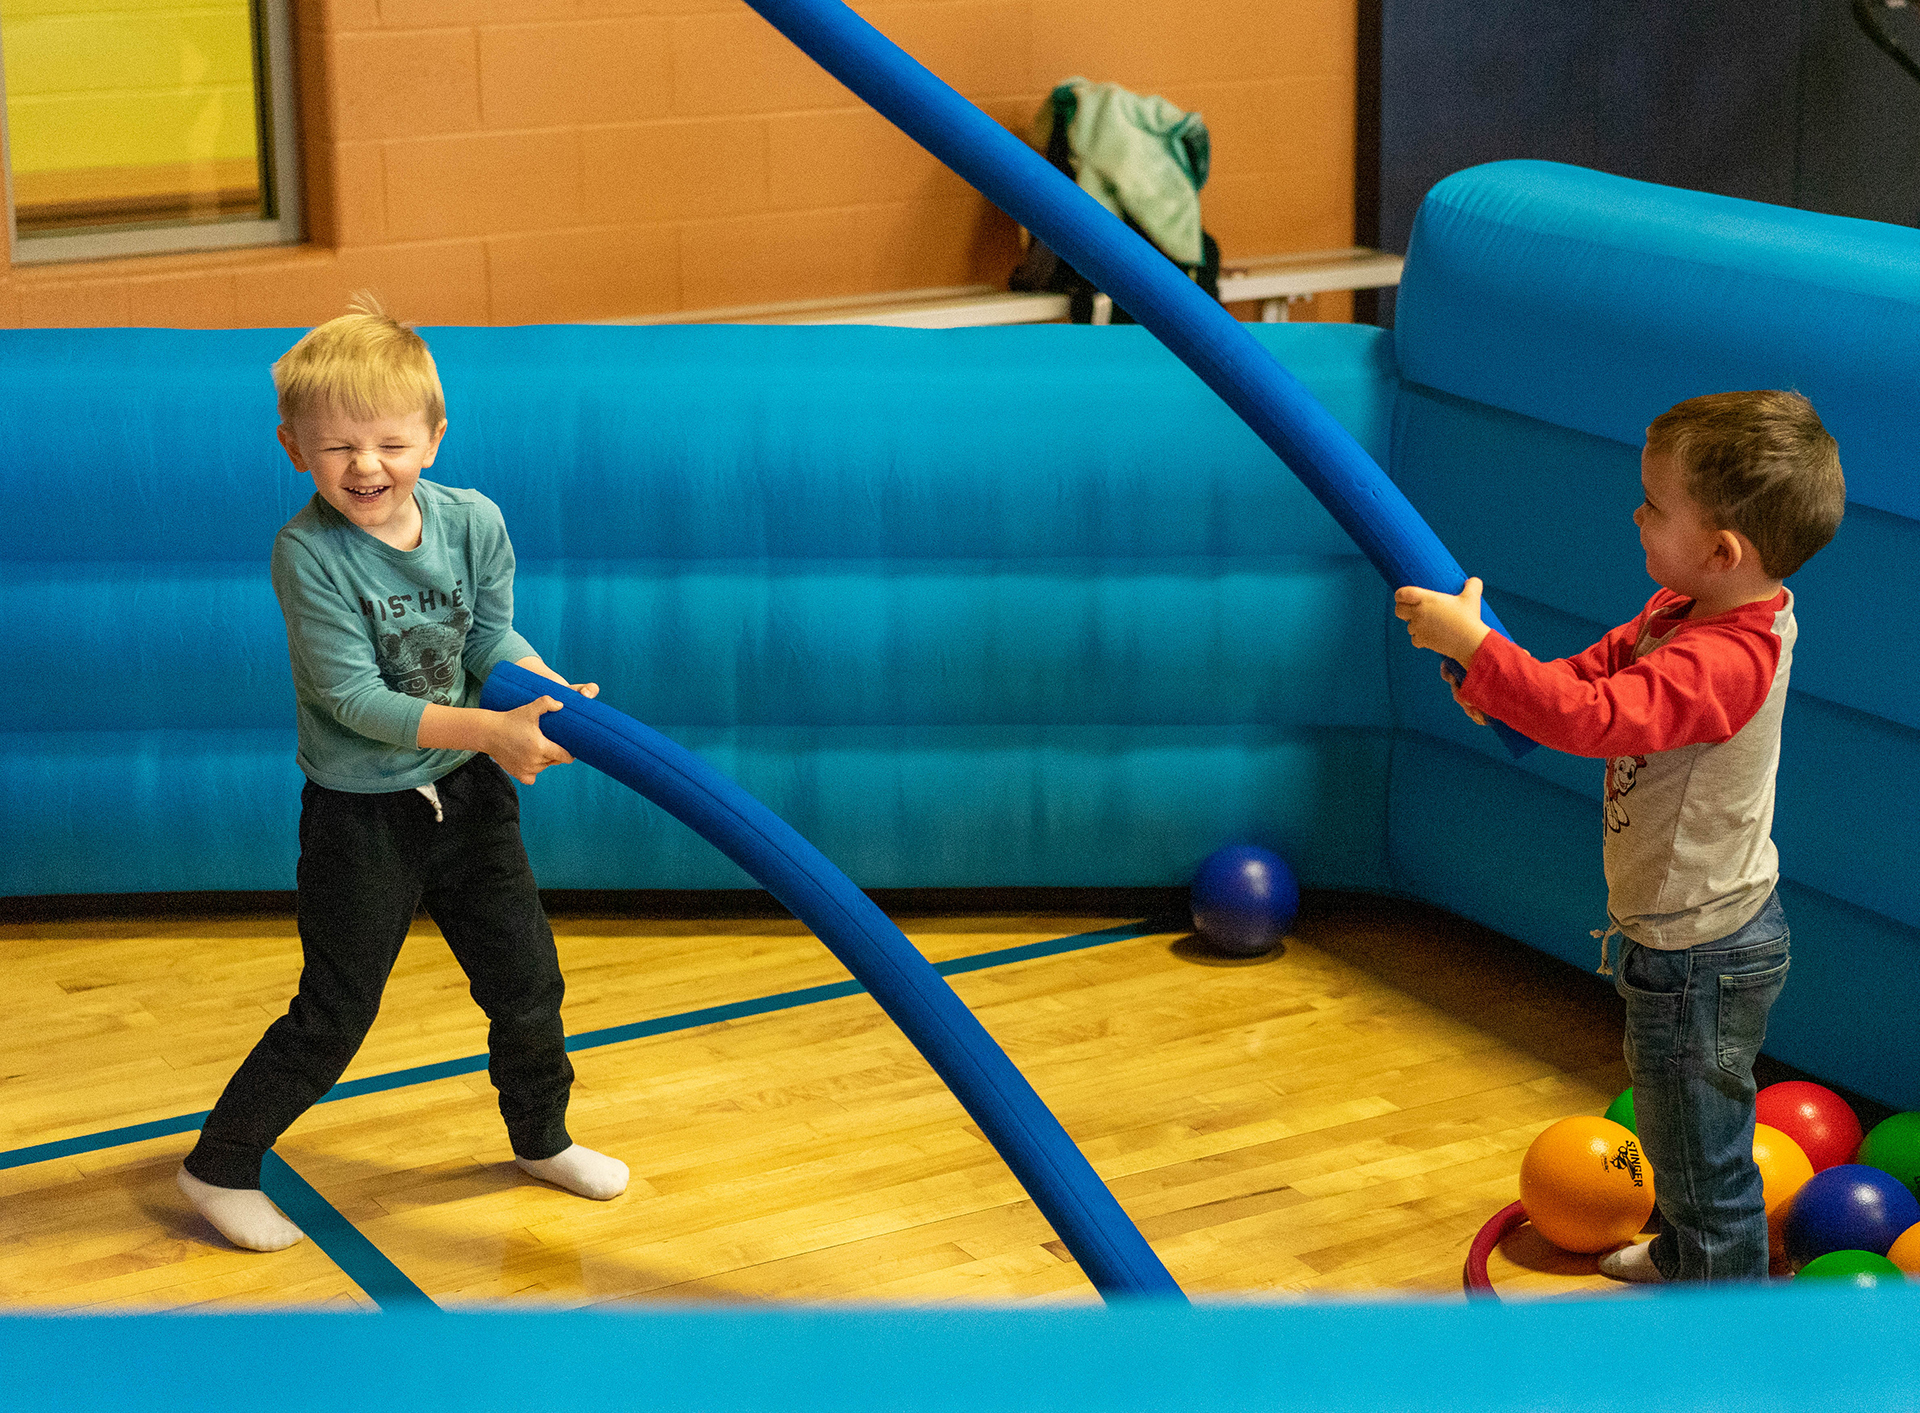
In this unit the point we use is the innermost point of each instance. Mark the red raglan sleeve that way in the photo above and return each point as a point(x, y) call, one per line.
point(1612, 652)
point(1702, 686)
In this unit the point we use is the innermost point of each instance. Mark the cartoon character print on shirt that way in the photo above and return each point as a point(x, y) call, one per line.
point(423, 658)
point(1622, 771)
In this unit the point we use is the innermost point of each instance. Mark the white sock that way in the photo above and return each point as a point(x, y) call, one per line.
point(243, 1215)
point(580, 1170)
point(1632, 1263)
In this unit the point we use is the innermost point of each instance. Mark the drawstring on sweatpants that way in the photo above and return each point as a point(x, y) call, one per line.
point(1606, 967)
point(433, 798)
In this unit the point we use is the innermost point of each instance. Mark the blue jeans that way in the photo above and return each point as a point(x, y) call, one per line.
point(1695, 1021)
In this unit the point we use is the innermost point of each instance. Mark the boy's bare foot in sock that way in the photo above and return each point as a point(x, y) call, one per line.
point(243, 1215)
point(579, 1170)
point(1632, 1263)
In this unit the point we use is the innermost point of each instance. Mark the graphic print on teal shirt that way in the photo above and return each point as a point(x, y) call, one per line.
point(423, 659)
point(375, 634)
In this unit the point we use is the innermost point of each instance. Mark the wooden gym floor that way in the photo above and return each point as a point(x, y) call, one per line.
point(1334, 1120)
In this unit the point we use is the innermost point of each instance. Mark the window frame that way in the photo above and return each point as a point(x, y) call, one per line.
point(279, 147)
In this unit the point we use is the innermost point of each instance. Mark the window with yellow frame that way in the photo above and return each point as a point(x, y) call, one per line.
point(136, 126)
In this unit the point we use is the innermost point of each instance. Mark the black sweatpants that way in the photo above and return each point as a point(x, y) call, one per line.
point(366, 863)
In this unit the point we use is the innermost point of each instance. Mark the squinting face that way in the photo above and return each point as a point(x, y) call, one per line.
point(1674, 530)
point(366, 469)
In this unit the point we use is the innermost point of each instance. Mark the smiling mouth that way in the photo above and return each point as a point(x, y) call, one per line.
point(365, 492)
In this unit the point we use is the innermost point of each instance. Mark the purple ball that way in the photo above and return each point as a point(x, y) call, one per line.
point(1244, 899)
point(1848, 1207)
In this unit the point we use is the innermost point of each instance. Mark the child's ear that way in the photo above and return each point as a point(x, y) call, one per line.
point(433, 445)
point(292, 446)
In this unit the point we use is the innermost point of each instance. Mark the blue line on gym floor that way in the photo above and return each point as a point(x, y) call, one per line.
point(344, 1243)
point(591, 1039)
point(363, 1262)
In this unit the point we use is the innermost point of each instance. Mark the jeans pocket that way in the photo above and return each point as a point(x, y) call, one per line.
point(1745, 999)
point(1653, 984)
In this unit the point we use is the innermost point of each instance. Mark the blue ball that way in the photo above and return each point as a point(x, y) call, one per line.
point(1244, 899)
point(1848, 1207)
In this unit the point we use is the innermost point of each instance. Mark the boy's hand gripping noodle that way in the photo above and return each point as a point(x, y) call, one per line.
point(1279, 409)
point(1056, 1174)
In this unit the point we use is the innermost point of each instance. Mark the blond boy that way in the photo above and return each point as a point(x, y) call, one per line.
point(1684, 703)
point(398, 598)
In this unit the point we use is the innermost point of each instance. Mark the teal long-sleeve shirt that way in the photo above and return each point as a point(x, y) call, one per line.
point(375, 633)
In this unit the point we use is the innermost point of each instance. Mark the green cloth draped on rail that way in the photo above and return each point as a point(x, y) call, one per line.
point(1141, 158)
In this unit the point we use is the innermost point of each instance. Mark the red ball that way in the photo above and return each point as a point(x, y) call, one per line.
point(1813, 1116)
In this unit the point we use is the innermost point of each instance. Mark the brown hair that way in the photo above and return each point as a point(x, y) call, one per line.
point(365, 364)
point(1760, 463)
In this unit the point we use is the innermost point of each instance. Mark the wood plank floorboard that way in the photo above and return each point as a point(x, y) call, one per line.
point(1337, 1118)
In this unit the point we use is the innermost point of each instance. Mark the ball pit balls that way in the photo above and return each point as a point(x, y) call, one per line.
point(1814, 1117)
point(1784, 1170)
point(1585, 1184)
point(1894, 1148)
point(1244, 899)
point(1621, 1111)
point(1849, 1207)
point(1854, 1267)
point(1905, 1251)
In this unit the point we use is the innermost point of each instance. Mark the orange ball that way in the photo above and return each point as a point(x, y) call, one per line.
point(1585, 1184)
point(1784, 1169)
point(1905, 1251)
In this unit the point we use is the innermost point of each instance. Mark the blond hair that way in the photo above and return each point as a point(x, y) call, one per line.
point(364, 364)
point(1761, 463)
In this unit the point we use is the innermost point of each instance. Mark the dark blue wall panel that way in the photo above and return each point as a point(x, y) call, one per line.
point(1783, 101)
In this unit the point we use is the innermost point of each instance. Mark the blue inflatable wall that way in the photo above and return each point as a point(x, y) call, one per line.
point(1024, 606)
point(1030, 606)
point(1548, 314)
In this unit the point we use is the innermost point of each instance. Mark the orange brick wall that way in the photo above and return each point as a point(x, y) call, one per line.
point(521, 161)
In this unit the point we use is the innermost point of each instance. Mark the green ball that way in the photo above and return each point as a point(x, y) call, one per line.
point(1853, 1267)
point(1621, 1112)
point(1894, 1148)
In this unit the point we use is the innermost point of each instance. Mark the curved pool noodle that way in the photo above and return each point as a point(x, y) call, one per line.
point(1275, 404)
point(1063, 1185)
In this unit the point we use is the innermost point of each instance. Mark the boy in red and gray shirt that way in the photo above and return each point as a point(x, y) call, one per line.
point(1684, 704)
